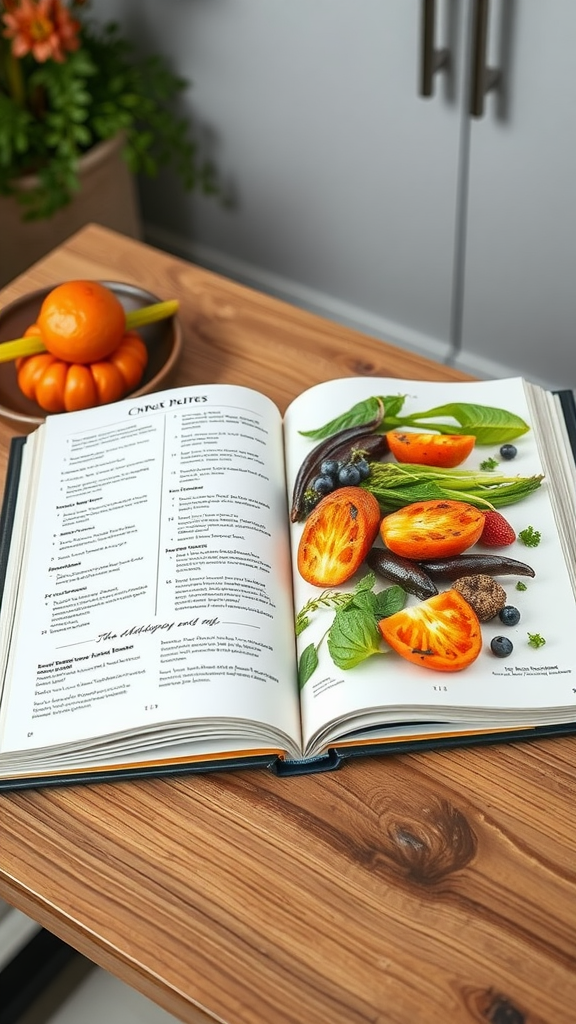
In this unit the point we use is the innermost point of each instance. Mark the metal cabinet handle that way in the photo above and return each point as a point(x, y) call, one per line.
point(432, 60)
point(483, 78)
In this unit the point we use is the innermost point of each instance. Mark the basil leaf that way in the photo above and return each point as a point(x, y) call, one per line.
point(307, 664)
point(353, 637)
point(393, 404)
point(362, 412)
point(489, 425)
point(364, 602)
point(389, 601)
point(366, 583)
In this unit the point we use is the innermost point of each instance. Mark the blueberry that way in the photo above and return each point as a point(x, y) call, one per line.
point(330, 467)
point(363, 468)
point(508, 451)
point(509, 615)
point(323, 484)
point(501, 646)
point(349, 476)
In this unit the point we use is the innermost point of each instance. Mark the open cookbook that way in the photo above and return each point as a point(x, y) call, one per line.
point(193, 582)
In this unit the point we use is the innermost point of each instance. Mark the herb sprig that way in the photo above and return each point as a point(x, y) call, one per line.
point(530, 537)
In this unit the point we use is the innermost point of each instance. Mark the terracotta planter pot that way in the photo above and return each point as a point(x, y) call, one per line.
point(107, 196)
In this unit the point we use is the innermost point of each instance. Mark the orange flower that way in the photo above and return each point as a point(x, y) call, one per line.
point(43, 28)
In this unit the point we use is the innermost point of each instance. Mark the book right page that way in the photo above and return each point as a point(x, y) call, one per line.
point(379, 654)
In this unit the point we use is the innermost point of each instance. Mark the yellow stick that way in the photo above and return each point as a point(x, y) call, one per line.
point(150, 314)
point(20, 347)
point(32, 345)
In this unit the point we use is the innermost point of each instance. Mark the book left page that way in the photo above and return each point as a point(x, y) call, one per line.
point(154, 594)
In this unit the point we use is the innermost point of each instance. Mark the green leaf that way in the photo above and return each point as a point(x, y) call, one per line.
point(353, 637)
point(393, 404)
point(366, 583)
point(365, 602)
point(488, 424)
point(362, 412)
point(390, 601)
point(307, 664)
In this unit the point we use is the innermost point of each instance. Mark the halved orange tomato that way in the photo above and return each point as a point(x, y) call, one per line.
point(442, 633)
point(444, 450)
point(337, 536)
point(438, 528)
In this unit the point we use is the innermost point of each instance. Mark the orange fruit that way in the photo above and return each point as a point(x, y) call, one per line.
point(444, 450)
point(81, 321)
point(442, 633)
point(437, 528)
point(337, 536)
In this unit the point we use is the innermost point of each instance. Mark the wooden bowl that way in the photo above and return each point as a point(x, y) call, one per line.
point(163, 340)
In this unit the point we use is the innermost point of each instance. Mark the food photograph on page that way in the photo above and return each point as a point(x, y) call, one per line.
point(426, 542)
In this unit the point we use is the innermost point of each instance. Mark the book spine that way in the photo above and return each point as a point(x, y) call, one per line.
point(9, 504)
point(328, 762)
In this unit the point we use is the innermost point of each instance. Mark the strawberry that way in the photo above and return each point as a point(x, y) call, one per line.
point(497, 532)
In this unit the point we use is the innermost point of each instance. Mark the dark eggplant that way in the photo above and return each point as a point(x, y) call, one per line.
point(338, 446)
point(407, 574)
point(469, 565)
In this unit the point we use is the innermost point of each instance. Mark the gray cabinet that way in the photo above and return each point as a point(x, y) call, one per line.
point(357, 197)
point(519, 283)
point(344, 180)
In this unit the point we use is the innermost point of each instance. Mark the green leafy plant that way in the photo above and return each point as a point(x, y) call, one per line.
point(353, 635)
point(67, 84)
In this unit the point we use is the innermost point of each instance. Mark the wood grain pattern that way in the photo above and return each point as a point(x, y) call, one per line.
point(437, 888)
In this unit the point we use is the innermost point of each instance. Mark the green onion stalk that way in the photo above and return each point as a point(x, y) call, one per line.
point(397, 485)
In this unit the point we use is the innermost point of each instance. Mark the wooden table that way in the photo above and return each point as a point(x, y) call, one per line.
point(435, 888)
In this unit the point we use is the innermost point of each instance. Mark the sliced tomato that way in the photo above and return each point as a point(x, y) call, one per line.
point(442, 633)
point(432, 529)
point(444, 450)
point(337, 536)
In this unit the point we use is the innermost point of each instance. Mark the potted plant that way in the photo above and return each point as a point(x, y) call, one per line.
point(70, 89)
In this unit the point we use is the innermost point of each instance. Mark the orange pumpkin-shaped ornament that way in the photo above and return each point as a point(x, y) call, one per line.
point(58, 385)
